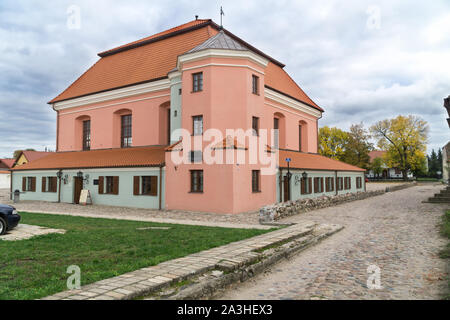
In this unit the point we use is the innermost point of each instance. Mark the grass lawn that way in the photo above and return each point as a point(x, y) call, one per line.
point(445, 253)
point(102, 248)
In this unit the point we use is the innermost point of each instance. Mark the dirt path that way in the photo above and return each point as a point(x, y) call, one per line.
point(395, 232)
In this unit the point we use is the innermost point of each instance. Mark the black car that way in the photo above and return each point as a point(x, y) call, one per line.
point(9, 218)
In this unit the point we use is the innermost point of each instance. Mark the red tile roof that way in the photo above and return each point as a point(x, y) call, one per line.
point(33, 155)
point(145, 63)
point(229, 143)
point(311, 161)
point(376, 154)
point(279, 80)
point(152, 58)
point(171, 31)
point(7, 162)
point(106, 158)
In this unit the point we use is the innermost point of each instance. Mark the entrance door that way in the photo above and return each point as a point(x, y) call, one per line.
point(287, 191)
point(78, 185)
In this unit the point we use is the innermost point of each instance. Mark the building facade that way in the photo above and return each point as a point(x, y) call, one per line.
point(192, 118)
point(386, 173)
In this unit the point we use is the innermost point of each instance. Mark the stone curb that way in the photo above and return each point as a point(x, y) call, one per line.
point(209, 287)
point(147, 280)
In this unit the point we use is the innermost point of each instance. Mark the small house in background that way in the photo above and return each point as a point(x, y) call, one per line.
point(5, 175)
point(386, 173)
point(28, 156)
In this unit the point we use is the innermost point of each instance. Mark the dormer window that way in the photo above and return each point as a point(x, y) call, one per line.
point(197, 82)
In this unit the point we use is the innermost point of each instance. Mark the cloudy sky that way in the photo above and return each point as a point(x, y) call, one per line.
point(359, 60)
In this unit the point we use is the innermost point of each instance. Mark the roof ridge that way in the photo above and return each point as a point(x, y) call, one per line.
point(158, 36)
point(220, 41)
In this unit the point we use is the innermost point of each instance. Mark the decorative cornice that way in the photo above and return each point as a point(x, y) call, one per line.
point(148, 87)
point(286, 101)
point(221, 53)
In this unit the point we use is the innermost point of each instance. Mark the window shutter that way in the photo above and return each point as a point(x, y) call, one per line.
point(153, 185)
point(33, 184)
point(44, 181)
point(321, 184)
point(303, 186)
point(316, 185)
point(54, 184)
point(309, 185)
point(115, 185)
point(136, 185)
point(332, 184)
point(100, 185)
point(349, 182)
point(24, 184)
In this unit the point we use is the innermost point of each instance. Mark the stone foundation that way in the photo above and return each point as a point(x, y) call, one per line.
point(271, 213)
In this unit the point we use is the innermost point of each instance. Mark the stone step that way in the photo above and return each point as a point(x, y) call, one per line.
point(442, 195)
point(439, 200)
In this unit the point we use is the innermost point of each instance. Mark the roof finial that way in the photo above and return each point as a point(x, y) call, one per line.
point(196, 17)
point(221, 15)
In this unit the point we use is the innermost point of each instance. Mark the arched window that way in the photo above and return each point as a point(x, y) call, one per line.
point(164, 109)
point(302, 136)
point(83, 132)
point(279, 125)
point(123, 127)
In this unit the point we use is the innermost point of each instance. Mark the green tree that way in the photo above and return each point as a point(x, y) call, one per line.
point(432, 164)
point(404, 138)
point(332, 142)
point(377, 166)
point(357, 147)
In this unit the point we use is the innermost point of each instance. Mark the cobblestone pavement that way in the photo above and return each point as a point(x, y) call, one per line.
point(26, 231)
point(372, 186)
point(242, 220)
point(394, 231)
point(137, 283)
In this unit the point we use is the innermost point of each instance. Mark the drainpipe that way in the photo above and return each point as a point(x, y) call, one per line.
point(364, 178)
point(160, 185)
point(281, 185)
point(10, 185)
point(336, 182)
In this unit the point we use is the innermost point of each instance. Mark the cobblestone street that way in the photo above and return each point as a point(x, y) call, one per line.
point(395, 232)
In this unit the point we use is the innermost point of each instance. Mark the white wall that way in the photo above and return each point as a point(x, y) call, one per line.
point(5, 179)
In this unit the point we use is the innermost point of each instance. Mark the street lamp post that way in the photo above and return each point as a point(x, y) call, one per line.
point(288, 176)
point(59, 175)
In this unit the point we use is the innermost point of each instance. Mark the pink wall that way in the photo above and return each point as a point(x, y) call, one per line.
point(226, 102)
point(289, 135)
point(147, 127)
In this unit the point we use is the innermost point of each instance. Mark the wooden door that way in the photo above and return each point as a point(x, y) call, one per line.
point(78, 185)
point(286, 189)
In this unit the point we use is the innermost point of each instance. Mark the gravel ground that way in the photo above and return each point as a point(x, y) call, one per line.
point(395, 232)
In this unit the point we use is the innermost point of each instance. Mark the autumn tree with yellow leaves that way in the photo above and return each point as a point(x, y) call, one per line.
point(332, 142)
point(404, 138)
point(352, 147)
